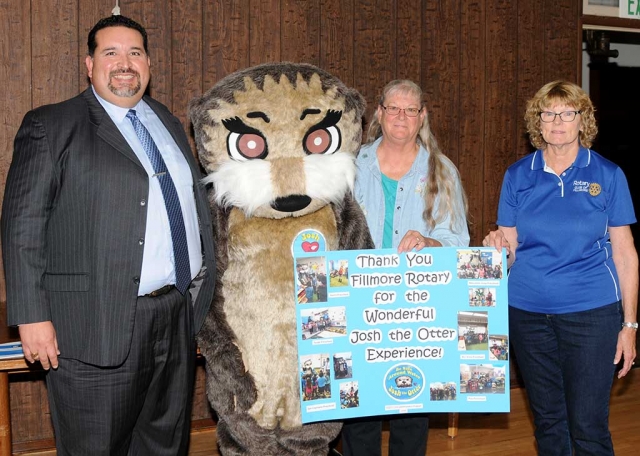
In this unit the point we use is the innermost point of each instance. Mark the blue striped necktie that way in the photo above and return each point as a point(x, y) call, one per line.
point(171, 201)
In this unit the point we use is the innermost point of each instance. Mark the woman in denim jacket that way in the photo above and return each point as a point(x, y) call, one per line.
point(412, 197)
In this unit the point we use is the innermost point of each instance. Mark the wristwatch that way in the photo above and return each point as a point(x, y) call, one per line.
point(629, 324)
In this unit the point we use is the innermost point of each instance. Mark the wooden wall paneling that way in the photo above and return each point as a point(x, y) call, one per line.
point(531, 49)
point(201, 409)
point(30, 415)
point(155, 17)
point(337, 39)
point(441, 73)
point(501, 93)
point(472, 113)
point(226, 39)
point(54, 47)
point(562, 20)
point(408, 39)
point(300, 33)
point(17, 99)
point(264, 32)
point(15, 74)
point(89, 12)
point(374, 48)
point(186, 49)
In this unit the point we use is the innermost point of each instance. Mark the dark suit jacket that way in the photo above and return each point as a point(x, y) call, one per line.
point(73, 217)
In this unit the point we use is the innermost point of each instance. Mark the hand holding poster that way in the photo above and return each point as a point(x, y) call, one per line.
point(387, 333)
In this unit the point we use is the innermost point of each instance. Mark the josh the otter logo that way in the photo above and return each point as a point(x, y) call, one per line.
point(404, 382)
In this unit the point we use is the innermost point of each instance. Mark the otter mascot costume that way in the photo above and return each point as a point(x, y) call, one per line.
point(278, 143)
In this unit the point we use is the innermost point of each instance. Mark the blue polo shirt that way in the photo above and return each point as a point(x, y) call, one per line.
point(563, 261)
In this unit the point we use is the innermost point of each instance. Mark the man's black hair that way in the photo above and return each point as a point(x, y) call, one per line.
point(115, 21)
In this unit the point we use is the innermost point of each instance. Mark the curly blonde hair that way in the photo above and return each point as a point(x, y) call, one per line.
point(442, 175)
point(562, 92)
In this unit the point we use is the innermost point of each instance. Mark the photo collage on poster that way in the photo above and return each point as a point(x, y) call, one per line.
point(474, 329)
point(377, 328)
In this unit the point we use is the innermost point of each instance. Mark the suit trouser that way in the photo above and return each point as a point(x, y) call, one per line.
point(407, 436)
point(141, 407)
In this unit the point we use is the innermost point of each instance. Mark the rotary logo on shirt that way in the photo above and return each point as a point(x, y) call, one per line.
point(594, 189)
point(580, 186)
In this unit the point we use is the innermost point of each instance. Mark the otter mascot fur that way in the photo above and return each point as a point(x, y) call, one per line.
point(278, 143)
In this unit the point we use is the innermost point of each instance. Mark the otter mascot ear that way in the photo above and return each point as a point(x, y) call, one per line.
point(278, 143)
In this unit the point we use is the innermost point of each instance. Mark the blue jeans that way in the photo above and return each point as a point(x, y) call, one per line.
point(566, 362)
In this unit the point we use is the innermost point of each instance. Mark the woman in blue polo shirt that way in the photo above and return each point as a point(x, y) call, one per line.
point(564, 216)
point(412, 197)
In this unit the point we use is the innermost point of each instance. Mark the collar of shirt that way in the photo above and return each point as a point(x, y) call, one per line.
point(368, 156)
point(117, 113)
point(582, 159)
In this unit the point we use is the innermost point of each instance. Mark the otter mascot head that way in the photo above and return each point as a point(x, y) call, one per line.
point(278, 143)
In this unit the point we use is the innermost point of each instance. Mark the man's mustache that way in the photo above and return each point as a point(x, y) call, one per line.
point(124, 71)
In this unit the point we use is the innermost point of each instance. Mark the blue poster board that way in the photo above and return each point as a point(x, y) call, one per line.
point(382, 333)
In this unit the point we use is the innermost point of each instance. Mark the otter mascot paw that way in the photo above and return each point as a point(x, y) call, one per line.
point(278, 143)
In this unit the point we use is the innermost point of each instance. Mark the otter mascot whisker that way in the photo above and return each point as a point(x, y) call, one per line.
point(278, 143)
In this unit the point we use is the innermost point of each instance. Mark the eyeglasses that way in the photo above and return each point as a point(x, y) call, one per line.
point(566, 116)
point(394, 111)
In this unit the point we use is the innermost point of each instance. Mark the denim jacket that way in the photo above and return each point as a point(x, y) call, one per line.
point(409, 200)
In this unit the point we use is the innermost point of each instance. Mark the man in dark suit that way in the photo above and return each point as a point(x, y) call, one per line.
point(108, 253)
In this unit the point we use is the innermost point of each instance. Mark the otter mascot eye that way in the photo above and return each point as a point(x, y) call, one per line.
point(278, 143)
point(244, 142)
point(324, 137)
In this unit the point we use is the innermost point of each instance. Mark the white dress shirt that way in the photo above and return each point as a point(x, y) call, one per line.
point(158, 264)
